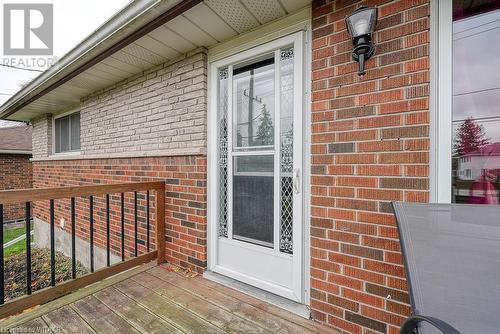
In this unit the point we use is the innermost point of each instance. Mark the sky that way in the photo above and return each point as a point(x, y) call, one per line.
point(73, 21)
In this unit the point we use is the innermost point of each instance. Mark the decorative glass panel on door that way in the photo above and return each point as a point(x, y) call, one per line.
point(286, 150)
point(222, 102)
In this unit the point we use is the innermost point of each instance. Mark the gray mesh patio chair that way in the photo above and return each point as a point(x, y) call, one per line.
point(452, 260)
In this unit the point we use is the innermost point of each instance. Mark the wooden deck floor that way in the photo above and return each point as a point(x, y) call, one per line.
point(152, 299)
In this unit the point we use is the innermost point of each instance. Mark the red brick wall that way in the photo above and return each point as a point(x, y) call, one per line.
point(15, 173)
point(370, 146)
point(185, 179)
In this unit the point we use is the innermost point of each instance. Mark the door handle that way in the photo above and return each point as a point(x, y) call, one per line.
point(296, 180)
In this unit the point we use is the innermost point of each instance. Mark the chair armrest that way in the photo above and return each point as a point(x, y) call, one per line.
point(411, 324)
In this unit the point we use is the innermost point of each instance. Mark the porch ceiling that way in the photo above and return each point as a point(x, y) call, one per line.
point(205, 24)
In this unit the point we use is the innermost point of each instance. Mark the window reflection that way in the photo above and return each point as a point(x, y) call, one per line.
point(254, 105)
point(476, 102)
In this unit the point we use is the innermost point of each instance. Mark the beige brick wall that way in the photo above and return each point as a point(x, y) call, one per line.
point(42, 136)
point(162, 110)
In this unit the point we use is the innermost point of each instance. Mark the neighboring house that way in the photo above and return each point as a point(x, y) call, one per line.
point(478, 175)
point(280, 161)
point(15, 165)
point(473, 165)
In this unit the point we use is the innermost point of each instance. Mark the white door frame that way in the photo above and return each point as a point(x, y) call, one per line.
point(297, 39)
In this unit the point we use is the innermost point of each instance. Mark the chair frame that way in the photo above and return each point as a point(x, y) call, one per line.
point(411, 324)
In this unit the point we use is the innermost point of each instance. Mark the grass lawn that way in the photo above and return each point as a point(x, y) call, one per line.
point(18, 246)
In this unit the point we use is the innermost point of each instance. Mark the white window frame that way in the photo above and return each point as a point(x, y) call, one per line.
point(441, 100)
point(61, 115)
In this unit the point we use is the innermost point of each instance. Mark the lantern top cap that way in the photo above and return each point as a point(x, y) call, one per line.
point(362, 21)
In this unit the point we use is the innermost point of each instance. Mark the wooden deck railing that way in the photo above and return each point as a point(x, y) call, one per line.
point(28, 196)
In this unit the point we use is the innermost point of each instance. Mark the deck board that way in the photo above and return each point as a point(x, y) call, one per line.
point(250, 300)
point(135, 314)
point(101, 317)
point(66, 321)
point(178, 316)
point(213, 314)
point(33, 326)
point(157, 300)
point(257, 315)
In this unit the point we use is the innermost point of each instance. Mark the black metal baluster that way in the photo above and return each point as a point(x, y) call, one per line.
point(52, 246)
point(73, 238)
point(2, 287)
point(91, 230)
point(123, 225)
point(108, 259)
point(147, 220)
point(135, 223)
point(27, 226)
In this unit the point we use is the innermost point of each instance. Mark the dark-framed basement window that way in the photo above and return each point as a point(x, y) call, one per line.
point(67, 133)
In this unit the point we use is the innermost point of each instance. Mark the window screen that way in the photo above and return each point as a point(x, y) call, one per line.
point(67, 133)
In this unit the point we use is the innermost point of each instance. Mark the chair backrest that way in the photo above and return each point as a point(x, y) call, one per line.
point(452, 260)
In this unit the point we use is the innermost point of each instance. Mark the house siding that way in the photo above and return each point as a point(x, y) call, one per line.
point(370, 146)
point(156, 120)
point(42, 136)
point(162, 109)
point(16, 174)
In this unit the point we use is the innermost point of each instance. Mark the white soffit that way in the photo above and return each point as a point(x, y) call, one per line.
point(204, 25)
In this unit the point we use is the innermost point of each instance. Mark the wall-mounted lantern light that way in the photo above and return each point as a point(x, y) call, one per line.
point(360, 25)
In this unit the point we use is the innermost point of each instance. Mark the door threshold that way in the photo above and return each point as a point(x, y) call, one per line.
point(268, 297)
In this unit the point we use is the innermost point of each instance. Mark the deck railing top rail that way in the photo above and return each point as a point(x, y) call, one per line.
point(40, 194)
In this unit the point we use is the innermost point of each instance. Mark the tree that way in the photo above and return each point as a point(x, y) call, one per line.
point(265, 132)
point(470, 137)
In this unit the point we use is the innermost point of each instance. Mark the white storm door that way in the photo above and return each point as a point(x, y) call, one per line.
point(257, 98)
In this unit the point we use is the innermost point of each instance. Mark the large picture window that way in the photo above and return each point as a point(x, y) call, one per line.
point(67, 133)
point(475, 103)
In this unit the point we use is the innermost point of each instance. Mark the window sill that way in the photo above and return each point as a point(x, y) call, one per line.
point(134, 154)
point(64, 155)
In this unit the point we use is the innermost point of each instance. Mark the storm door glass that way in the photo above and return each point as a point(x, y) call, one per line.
point(253, 199)
point(253, 93)
point(253, 152)
point(255, 106)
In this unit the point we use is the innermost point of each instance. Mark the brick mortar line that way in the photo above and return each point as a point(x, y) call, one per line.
point(364, 281)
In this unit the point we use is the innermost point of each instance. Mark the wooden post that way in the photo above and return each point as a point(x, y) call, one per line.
point(160, 223)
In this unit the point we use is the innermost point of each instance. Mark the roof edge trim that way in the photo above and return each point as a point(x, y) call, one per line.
point(117, 22)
